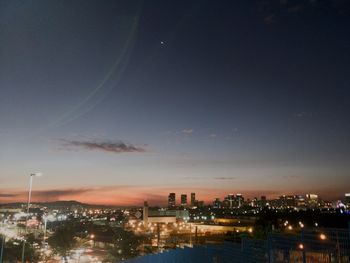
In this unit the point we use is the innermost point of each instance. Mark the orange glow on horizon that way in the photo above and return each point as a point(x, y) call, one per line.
point(125, 195)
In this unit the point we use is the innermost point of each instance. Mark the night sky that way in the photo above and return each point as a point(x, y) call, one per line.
point(117, 102)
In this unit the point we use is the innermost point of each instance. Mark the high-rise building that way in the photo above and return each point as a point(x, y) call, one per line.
point(145, 212)
point(200, 204)
point(193, 199)
point(171, 200)
point(217, 203)
point(184, 200)
point(347, 199)
point(300, 201)
point(229, 200)
point(239, 199)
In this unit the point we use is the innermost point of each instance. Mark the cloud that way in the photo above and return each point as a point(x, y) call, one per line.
point(8, 195)
point(225, 178)
point(209, 178)
point(84, 194)
point(188, 131)
point(58, 193)
point(213, 135)
point(111, 147)
point(300, 114)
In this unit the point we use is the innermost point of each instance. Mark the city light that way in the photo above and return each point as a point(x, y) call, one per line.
point(323, 236)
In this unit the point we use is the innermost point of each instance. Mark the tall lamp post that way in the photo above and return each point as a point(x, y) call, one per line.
point(2, 247)
point(32, 175)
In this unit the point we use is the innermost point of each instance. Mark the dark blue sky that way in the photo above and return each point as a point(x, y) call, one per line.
point(149, 96)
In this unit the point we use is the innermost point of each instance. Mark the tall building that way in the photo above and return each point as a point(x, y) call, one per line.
point(171, 200)
point(230, 199)
point(263, 201)
point(217, 203)
point(145, 212)
point(347, 199)
point(239, 199)
point(193, 199)
point(183, 200)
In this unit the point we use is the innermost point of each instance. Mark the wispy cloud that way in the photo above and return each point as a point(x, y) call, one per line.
point(209, 178)
point(81, 193)
point(106, 146)
point(59, 193)
point(304, 114)
point(8, 195)
point(188, 131)
point(225, 178)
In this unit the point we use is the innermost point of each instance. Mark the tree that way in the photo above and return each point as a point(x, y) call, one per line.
point(126, 245)
point(13, 252)
point(63, 241)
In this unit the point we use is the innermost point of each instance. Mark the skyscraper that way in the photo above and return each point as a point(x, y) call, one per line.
point(230, 200)
point(217, 203)
point(171, 200)
point(193, 199)
point(145, 212)
point(239, 200)
point(184, 200)
point(347, 199)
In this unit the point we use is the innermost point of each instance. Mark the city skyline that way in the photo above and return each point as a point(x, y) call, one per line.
point(117, 103)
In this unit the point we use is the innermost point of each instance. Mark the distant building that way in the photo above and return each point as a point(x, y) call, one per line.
point(312, 200)
point(239, 200)
point(193, 199)
point(184, 200)
point(145, 212)
point(300, 201)
point(347, 199)
point(287, 201)
point(162, 219)
point(229, 201)
point(254, 202)
point(171, 200)
point(178, 214)
point(217, 203)
point(200, 204)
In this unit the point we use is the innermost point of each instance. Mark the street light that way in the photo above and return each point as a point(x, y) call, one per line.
point(323, 236)
point(28, 205)
point(2, 247)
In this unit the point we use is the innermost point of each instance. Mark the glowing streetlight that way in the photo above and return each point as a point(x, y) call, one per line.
point(323, 236)
point(28, 205)
point(301, 246)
